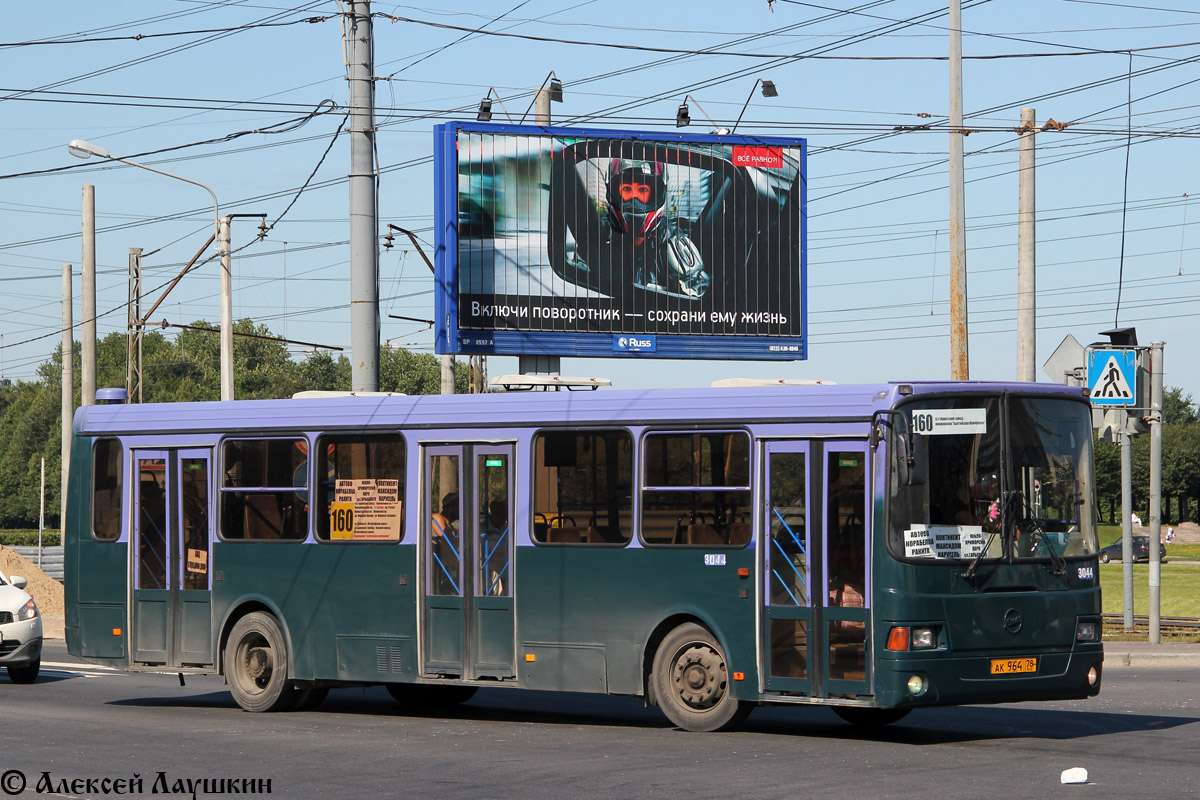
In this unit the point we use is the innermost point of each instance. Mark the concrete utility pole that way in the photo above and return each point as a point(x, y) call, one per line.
point(88, 301)
point(959, 363)
point(68, 388)
point(1027, 253)
point(226, 311)
point(364, 261)
point(1156, 409)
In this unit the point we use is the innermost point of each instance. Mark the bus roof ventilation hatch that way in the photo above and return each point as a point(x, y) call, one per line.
point(317, 394)
point(726, 383)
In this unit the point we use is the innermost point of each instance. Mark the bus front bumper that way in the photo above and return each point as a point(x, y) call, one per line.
point(943, 678)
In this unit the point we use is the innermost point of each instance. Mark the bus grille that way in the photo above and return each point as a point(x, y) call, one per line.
point(389, 659)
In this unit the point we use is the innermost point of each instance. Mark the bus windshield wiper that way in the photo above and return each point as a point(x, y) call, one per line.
point(1038, 531)
point(970, 573)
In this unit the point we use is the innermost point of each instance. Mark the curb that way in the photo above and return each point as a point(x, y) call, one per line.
point(1128, 660)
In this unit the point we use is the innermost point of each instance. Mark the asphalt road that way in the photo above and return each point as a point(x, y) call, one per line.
point(1137, 740)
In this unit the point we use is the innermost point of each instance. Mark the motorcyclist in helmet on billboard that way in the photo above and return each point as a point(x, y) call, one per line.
point(664, 259)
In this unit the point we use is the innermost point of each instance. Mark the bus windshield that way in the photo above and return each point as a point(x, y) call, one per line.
point(1052, 489)
point(991, 479)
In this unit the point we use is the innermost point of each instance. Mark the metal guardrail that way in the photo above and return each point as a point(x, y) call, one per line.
point(52, 559)
point(1142, 622)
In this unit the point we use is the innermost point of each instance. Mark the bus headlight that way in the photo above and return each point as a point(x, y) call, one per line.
point(923, 639)
point(1087, 631)
point(917, 685)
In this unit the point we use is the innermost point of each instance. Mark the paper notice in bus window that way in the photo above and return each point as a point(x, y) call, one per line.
point(946, 421)
point(197, 561)
point(366, 509)
point(944, 541)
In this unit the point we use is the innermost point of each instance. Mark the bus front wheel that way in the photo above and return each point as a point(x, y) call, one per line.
point(256, 665)
point(691, 682)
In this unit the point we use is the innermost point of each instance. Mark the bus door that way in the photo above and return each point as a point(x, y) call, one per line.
point(844, 635)
point(172, 595)
point(468, 628)
point(789, 567)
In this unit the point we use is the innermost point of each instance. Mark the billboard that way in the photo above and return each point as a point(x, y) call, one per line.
point(577, 242)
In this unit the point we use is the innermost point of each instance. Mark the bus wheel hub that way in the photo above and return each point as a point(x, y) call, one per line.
point(699, 677)
point(258, 664)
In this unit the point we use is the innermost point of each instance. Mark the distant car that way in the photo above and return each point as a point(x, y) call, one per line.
point(1141, 550)
point(20, 630)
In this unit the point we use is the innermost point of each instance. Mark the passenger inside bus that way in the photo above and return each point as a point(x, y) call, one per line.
point(493, 540)
point(445, 523)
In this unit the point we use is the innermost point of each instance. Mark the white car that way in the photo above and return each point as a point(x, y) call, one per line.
point(20, 630)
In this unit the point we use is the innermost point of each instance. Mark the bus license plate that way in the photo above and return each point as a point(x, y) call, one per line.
point(1009, 666)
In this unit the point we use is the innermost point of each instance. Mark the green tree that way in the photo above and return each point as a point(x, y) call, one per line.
point(1178, 407)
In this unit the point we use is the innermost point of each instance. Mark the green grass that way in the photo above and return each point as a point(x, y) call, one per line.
point(1179, 593)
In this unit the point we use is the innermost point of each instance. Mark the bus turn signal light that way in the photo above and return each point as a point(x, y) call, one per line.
point(898, 639)
point(116, 631)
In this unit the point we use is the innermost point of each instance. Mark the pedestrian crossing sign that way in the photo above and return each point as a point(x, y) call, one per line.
point(1112, 377)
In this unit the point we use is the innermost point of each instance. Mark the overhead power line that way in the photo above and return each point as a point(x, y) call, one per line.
point(139, 36)
point(773, 56)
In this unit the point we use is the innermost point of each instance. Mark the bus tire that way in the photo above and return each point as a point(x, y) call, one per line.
point(870, 718)
point(256, 664)
point(419, 698)
point(691, 682)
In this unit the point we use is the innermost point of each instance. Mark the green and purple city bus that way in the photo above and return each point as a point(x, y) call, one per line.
point(875, 548)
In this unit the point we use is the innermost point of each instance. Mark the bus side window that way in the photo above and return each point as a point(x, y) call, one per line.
point(696, 489)
point(360, 488)
point(260, 497)
point(106, 490)
point(582, 487)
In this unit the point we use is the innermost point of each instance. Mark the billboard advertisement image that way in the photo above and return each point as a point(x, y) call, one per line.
point(563, 241)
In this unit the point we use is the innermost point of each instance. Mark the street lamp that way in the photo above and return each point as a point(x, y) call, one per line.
point(84, 149)
point(683, 116)
point(768, 90)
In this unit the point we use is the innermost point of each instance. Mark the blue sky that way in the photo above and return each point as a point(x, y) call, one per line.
point(877, 255)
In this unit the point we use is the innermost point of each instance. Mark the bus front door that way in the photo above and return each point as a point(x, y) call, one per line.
point(468, 627)
point(814, 542)
point(789, 573)
point(846, 595)
point(172, 595)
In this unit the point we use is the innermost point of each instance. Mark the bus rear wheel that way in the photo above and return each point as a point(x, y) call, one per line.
point(256, 665)
point(691, 682)
point(419, 698)
point(870, 718)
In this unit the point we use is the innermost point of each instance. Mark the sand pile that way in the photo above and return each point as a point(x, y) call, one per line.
point(46, 592)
